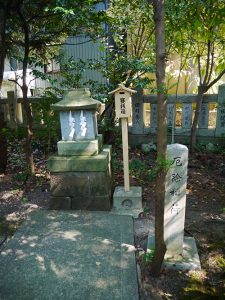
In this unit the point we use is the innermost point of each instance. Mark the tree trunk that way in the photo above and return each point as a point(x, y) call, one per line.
point(3, 16)
point(29, 138)
point(160, 247)
point(201, 90)
point(4, 11)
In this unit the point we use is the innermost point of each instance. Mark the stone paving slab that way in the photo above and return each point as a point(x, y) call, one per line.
point(70, 255)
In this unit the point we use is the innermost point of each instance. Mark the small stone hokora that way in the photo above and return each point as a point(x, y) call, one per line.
point(72, 126)
point(83, 124)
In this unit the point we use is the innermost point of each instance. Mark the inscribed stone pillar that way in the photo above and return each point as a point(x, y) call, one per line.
point(187, 115)
point(153, 116)
point(170, 114)
point(175, 198)
point(220, 122)
point(11, 103)
point(204, 116)
point(137, 112)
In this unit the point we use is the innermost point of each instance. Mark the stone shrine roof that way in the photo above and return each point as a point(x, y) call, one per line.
point(76, 99)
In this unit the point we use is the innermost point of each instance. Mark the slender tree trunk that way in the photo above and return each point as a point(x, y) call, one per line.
point(29, 138)
point(3, 17)
point(160, 247)
point(4, 12)
point(201, 90)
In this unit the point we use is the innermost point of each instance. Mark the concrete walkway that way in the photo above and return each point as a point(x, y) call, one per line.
point(70, 255)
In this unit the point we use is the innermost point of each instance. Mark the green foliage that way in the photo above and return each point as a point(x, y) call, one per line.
point(117, 166)
point(138, 168)
point(111, 131)
point(71, 72)
point(162, 164)
point(195, 30)
point(132, 55)
point(214, 148)
point(149, 255)
point(199, 289)
point(220, 261)
point(24, 200)
point(146, 210)
point(200, 147)
point(45, 115)
point(141, 170)
point(35, 40)
point(21, 176)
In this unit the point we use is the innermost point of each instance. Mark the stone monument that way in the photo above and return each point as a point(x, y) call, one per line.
point(181, 251)
point(81, 171)
point(126, 200)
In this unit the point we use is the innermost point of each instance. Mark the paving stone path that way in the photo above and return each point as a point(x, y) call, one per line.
point(70, 255)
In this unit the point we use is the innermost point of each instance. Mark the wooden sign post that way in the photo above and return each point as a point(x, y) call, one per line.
point(123, 112)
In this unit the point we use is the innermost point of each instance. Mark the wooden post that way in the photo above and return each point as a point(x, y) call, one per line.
point(123, 112)
point(125, 155)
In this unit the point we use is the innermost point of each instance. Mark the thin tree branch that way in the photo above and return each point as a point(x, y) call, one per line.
point(216, 79)
point(207, 62)
point(140, 39)
point(146, 42)
point(15, 81)
point(212, 64)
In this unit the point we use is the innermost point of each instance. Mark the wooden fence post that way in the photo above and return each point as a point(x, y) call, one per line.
point(220, 120)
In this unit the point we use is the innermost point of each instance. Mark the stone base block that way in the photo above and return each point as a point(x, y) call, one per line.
point(86, 190)
point(60, 203)
point(95, 203)
point(81, 147)
point(81, 182)
point(127, 212)
point(95, 163)
point(127, 200)
point(189, 260)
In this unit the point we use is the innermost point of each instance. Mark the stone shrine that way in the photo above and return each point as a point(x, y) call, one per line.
point(81, 171)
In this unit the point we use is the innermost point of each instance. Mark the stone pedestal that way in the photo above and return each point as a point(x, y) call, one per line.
point(189, 260)
point(127, 203)
point(81, 182)
point(80, 148)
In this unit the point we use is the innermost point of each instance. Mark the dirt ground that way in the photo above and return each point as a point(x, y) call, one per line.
point(205, 216)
